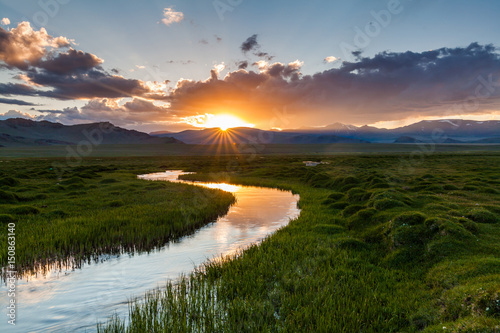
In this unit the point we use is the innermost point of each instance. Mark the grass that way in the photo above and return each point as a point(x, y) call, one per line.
point(384, 243)
point(409, 250)
point(95, 209)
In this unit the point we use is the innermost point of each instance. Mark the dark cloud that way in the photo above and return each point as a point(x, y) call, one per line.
point(70, 62)
point(15, 102)
point(264, 55)
point(218, 38)
point(203, 41)
point(388, 86)
point(182, 62)
point(249, 44)
point(133, 112)
point(88, 85)
point(242, 64)
point(62, 75)
point(9, 89)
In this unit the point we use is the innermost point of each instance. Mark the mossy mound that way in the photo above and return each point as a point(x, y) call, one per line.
point(362, 219)
point(116, 203)
point(9, 181)
point(8, 197)
point(351, 244)
point(73, 181)
point(481, 215)
point(6, 218)
point(351, 209)
point(358, 195)
point(328, 229)
point(386, 203)
point(24, 210)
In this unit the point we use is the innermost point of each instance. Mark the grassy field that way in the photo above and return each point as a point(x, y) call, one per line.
point(67, 216)
point(74, 153)
point(384, 243)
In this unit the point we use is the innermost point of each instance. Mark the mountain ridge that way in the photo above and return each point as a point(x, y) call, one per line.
point(18, 132)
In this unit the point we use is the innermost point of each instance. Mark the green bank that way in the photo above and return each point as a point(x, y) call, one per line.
point(384, 243)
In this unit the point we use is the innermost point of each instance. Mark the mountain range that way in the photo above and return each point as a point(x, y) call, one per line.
point(17, 132)
point(437, 131)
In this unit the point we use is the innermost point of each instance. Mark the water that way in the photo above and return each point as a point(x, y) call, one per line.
point(75, 300)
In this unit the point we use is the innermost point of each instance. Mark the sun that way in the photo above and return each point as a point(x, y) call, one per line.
point(225, 121)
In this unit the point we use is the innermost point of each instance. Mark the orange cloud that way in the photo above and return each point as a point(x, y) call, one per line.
point(22, 46)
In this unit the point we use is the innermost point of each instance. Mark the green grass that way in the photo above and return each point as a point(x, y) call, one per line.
point(139, 150)
point(384, 243)
point(96, 209)
point(410, 251)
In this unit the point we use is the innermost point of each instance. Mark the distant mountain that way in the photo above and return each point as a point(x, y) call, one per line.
point(489, 140)
point(407, 139)
point(438, 131)
point(158, 133)
point(24, 132)
point(245, 135)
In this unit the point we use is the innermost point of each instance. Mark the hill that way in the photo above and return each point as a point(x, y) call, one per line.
point(18, 132)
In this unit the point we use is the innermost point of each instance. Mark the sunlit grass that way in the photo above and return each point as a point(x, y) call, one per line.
point(376, 248)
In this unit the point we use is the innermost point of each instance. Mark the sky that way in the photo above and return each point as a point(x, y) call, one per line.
point(174, 65)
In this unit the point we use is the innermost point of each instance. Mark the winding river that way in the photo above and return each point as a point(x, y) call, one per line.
point(75, 300)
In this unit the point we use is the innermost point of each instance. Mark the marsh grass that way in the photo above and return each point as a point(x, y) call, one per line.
point(96, 209)
point(375, 249)
point(379, 246)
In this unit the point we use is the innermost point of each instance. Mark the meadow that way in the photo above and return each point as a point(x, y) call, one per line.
point(384, 242)
point(65, 217)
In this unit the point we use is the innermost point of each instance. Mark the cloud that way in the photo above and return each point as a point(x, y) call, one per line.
point(133, 112)
point(48, 72)
point(15, 102)
point(170, 16)
point(387, 86)
point(249, 44)
point(5, 21)
point(330, 59)
point(242, 64)
point(70, 62)
point(22, 47)
point(182, 62)
point(15, 114)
